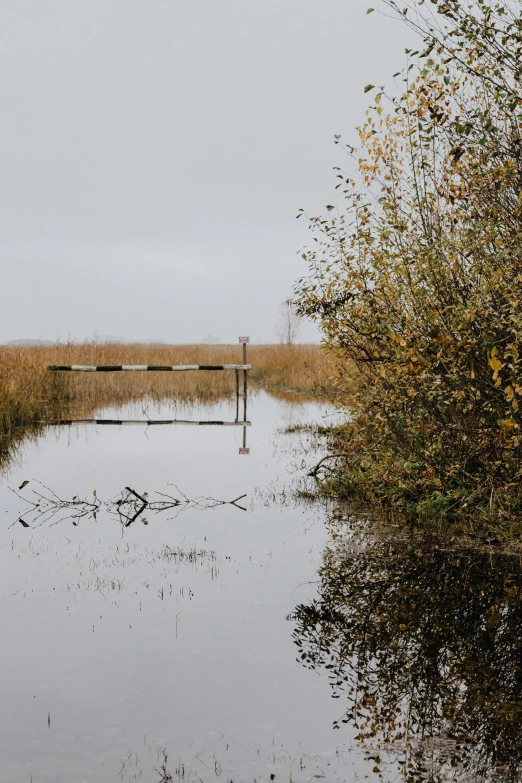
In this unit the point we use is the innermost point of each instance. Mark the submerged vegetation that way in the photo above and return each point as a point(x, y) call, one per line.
point(416, 281)
point(30, 395)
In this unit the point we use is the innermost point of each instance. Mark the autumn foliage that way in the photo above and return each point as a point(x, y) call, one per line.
point(416, 281)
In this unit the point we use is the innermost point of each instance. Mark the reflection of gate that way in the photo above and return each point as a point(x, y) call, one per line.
point(168, 368)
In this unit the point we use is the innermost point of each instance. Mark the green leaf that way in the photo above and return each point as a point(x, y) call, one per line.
point(370, 10)
point(369, 87)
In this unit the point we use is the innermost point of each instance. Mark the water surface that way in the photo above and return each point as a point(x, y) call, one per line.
point(122, 644)
point(288, 641)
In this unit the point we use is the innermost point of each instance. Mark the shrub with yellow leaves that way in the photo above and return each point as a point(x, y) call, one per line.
point(416, 282)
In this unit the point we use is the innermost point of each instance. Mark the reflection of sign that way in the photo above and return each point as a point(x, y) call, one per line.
point(244, 339)
point(244, 450)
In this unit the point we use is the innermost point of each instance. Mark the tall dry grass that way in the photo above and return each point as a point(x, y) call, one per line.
point(30, 395)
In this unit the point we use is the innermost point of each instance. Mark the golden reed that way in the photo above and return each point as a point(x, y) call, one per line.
point(30, 395)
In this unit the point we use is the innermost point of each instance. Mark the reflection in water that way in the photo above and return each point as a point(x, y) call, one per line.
point(46, 506)
point(173, 641)
point(13, 436)
point(425, 647)
point(149, 422)
point(173, 637)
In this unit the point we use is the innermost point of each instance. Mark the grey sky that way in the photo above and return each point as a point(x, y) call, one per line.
point(154, 154)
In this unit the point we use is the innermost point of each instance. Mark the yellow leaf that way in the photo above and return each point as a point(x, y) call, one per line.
point(494, 361)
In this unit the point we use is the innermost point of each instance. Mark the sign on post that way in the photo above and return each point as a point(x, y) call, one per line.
point(244, 450)
point(244, 339)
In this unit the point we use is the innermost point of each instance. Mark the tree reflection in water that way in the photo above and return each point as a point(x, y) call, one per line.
point(425, 647)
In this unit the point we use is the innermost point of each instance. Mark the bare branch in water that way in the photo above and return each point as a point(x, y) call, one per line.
point(127, 507)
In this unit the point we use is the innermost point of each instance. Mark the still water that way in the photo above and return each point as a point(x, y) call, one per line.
point(121, 645)
point(274, 639)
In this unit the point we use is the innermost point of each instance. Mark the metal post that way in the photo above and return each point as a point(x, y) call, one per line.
point(243, 341)
point(244, 385)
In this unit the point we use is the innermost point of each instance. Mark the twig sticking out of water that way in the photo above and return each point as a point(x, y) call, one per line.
point(166, 777)
point(315, 470)
point(127, 507)
point(48, 504)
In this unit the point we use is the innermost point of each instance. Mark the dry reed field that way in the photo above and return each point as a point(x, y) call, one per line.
point(30, 395)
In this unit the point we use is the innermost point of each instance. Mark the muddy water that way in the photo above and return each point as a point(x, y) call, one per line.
point(171, 636)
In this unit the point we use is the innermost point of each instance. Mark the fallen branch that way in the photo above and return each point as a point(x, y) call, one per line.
point(127, 507)
point(314, 471)
point(129, 489)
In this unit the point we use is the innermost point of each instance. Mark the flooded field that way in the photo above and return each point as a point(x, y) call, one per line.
point(122, 644)
point(152, 630)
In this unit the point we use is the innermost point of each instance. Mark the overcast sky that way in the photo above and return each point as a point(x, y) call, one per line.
point(154, 154)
